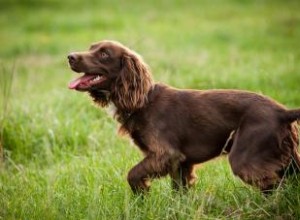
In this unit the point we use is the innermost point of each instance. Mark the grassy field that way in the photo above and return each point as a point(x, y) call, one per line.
point(63, 158)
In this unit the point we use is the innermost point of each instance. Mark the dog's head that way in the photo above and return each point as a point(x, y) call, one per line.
point(112, 72)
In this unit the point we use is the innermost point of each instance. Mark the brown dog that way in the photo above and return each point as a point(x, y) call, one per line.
point(177, 129)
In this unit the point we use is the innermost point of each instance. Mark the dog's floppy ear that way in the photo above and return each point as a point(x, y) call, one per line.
point(133, 83)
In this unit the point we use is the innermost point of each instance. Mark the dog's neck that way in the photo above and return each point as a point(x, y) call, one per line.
point(117, 114)
point(100, 97)
point(104, 99)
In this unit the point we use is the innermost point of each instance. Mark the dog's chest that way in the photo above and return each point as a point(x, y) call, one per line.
point(138, 140)
point(111, 110)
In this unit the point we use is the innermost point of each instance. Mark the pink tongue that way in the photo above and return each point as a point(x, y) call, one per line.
point(83, 79)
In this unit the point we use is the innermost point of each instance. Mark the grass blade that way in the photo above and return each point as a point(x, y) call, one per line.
point(6, 81)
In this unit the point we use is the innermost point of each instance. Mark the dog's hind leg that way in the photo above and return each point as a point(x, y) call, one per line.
point(257, 156)
point(292, 141)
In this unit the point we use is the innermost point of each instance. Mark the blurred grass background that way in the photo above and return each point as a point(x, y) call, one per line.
point(63, 157)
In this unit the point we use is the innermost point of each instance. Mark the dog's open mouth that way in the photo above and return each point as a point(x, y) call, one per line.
point(87, 81)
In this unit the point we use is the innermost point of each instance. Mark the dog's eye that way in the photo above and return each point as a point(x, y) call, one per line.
point(104, 55)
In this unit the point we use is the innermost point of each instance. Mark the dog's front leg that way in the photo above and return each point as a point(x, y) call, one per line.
point(152, 166)
point(183, 177)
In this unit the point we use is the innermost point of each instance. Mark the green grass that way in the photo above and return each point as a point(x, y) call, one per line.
point(6, 77)
point(64, 159)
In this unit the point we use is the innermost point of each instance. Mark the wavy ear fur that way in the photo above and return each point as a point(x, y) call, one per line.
point(133, 84)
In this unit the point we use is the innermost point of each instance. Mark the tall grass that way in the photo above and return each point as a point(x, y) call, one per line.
point(6, 80)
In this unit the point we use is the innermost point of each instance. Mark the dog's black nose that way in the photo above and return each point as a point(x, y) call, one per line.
point(72, 58)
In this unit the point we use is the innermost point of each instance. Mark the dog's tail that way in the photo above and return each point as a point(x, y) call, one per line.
point(290, 115)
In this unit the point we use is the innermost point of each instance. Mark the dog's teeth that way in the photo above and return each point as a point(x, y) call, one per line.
point(96, 78)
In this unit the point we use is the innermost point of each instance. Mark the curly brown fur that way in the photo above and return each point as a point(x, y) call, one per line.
point(132, 85)
point(177, 129)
